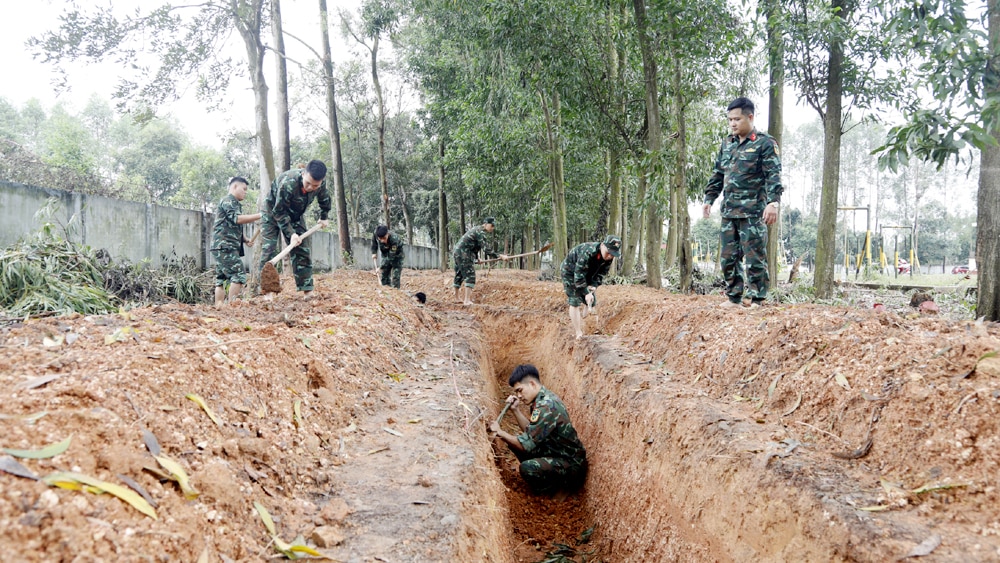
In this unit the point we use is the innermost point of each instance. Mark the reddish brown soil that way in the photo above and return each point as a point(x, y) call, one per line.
point(711, 434)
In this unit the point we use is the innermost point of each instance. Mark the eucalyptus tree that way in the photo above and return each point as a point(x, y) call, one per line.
point(188, 46)
point(284, 156)
point(838, 50)
point(378, 18)
point(958, 45)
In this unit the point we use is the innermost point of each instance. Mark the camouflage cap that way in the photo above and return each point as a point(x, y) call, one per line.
point(613, 244)
point(489, 221)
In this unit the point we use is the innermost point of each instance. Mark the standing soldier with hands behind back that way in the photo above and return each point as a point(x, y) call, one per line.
point(391, 247)
point(227, 242)
point(748, 175)
point(284, 213)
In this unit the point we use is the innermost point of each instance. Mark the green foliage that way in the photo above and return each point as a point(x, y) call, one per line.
point(204, 174)
point(48, 273)
point(954, 66)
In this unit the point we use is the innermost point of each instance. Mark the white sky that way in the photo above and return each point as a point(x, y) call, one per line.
point(26, 78)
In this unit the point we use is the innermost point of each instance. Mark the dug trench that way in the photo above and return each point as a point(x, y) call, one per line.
point(359, 419)
point(783, 434)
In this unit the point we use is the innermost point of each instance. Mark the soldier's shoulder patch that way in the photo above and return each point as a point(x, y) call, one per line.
point(777, 150)
point(534, 416)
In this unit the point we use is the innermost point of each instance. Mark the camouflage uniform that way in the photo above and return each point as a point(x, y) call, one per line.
point(583, 268)
point(227, 243)
point(553, 455)
point(392, 258)
point(284, 212)
point(748, 175)
point(465, 253)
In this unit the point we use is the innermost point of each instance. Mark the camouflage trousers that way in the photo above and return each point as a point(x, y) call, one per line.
point(228, 266)
point(744, 239)
point(465, 270)
point(300, 255)
point(391, 270)
point(574, 295)
point(545, 475)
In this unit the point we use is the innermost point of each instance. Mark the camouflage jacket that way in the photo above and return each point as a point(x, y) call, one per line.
point(585, 265)
point(286, 203)
point(471, 243)
point(747, 174)
point(227, 234)
point(549, 432)
point(392, 249)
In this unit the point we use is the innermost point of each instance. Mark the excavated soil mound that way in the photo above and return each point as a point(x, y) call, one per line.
point(358, 419)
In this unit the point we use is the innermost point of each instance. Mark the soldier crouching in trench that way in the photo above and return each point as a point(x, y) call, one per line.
point(553, 460)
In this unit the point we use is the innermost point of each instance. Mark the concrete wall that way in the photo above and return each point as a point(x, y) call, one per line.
point(138, 231)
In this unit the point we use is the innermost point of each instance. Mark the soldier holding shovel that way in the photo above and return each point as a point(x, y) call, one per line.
point(284, 214)
point(583, 271)
point(552, 457)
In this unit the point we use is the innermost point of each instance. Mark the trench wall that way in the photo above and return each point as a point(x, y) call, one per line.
point(138, 231)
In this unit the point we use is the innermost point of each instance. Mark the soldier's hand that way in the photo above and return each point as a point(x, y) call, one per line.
point(589, 298)
point(706, 210)
point(513, 400)
point(295, 240)
point(494, 427)
point(504, 257)
point(324, 223)
point(770, 214)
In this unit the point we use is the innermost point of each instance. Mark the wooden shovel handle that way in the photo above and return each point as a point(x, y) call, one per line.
point(289, 248)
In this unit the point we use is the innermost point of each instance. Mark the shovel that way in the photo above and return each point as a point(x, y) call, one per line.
point(503, 412)
point(539, 251)
point(270, 282)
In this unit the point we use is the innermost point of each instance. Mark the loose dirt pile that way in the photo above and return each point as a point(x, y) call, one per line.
point(774, 434)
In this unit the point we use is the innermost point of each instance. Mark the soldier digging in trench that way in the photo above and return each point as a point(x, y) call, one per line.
point(553, 460)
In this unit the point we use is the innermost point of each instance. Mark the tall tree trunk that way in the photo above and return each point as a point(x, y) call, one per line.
point(461, 214)
point(634, 230)
point(442, 210)
point(678, 202)
point(826, 243)
point(284, 156)
point(686, 259)
point(553, 122)
point(988, 200)
point(248, 23)
point(339, 193)
point(775, 114)
point(404, 205)
point(654, 223)
point(382, 173)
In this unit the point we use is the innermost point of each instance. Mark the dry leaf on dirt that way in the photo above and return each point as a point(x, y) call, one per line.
point(178, 474)
point(44, 453)
point(10, 465)
point(204, 406)
point(80, 482)
point(38, 381)
point(926, 547)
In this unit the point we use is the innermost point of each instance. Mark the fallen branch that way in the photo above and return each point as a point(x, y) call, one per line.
point(843, 441)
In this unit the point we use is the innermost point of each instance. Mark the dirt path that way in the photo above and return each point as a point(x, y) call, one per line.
point(711, 436)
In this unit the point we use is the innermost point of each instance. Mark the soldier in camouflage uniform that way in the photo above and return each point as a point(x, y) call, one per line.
point(583, 271)
point(748, 175)
point(391, 247)
point(227, 242)
point(551, 454)
point(284, 213)
point(466, 251)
